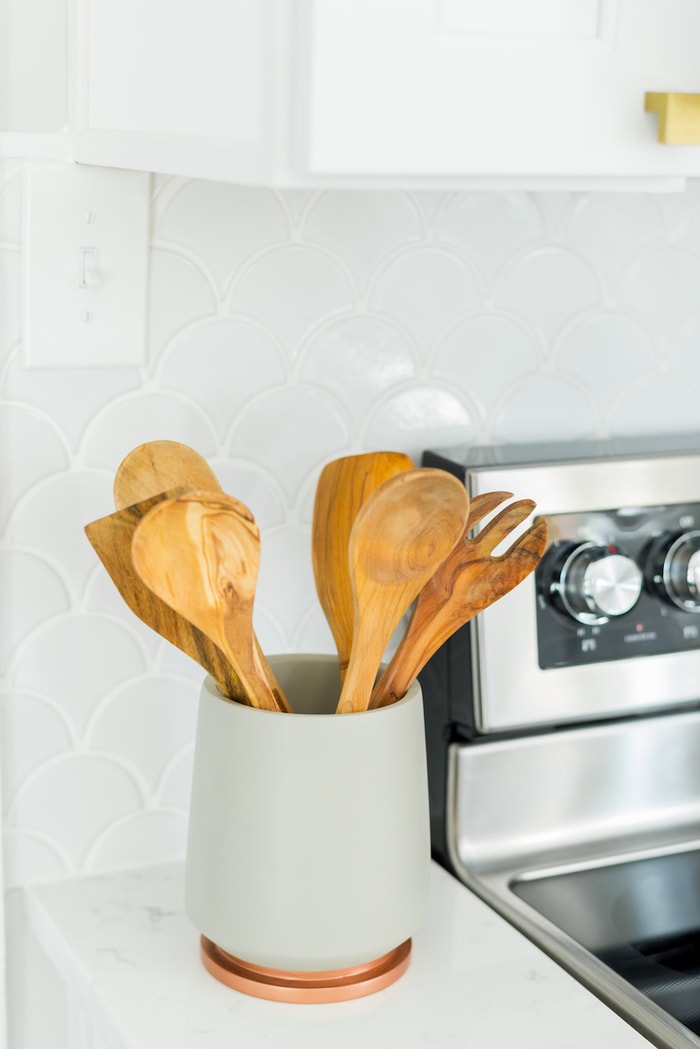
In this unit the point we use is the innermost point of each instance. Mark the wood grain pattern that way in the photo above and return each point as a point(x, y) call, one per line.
point(111, 539)
point(401, 534)
point(343, 487)
point(467, 581)
point(158, 466)
point(200, 554)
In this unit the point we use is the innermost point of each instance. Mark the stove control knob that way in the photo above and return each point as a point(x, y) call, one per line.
point(675, 569)
point(596, 582)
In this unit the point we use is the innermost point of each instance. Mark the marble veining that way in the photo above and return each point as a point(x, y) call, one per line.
point(134, 983)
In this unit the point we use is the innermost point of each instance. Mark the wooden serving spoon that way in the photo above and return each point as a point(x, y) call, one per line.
point(343, 486)
point(158, 466)
point(111, 538)
point(467, 581)
point(405, 529)
point(200, 553)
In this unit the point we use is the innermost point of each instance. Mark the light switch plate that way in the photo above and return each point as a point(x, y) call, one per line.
point(85, 266)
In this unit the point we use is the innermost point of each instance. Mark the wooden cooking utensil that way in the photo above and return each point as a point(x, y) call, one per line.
point(467, 581)
point(161, 465)
point(404, 530)
point(200, 553)
point(157, 466)
point(111, 538)
point(343, 486)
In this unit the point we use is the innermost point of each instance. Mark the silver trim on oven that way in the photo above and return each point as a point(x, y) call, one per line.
point(510, 690)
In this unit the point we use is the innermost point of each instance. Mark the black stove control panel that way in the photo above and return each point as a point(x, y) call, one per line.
point(619, 584)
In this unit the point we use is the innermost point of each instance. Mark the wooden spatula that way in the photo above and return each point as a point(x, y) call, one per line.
point(200, 553)
point(343, 486)
point(158, 466)
point(111, 538)
point(404, 530)
point(467, 581)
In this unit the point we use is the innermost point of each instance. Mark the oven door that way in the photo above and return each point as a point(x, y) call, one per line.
point(640, 918)
point(588, 840)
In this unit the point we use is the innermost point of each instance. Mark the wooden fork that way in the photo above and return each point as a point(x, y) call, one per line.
point(469, 580)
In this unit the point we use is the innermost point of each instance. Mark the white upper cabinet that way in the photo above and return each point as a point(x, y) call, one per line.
point(385, 92)
point(33, 79)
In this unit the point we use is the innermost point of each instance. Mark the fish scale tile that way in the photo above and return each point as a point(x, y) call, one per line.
point(33, 593)
point(491, 228)
point(667, 403)
point(426, 289)
point(424, 415)
point(292, 290)
point(683, 356)
point(28, 857)
point(547, 287)
point(284, 329)
point(243, 356)
point(180, 294)
point(148, 414)
point(570, 407)
point(258, 489)
point(155, 836)
point(289, 433)
point(39, 451)
point(362, 228)
point(223, 227)
point(71, 399)
point(506, 346)
point(77, 659)
point(661, 287)
point(356, 359)
point(613, 345)
point(37, 730)
point(610, 230)
point(50, 520)
point(92, 786)
point(164, 709)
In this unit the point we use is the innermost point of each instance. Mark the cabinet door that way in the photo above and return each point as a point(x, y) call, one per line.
point(370, 92)
point(176, 87)
point(484, 88)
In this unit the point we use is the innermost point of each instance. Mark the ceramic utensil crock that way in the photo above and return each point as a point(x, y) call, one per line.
point(309, 847)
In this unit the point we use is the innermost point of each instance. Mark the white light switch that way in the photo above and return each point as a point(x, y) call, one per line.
point(85, 267)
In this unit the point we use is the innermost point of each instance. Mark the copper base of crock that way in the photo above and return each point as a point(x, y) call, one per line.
point(280, 985)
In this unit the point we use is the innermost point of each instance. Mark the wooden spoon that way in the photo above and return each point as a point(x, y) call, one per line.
point(158, 466)
point(161, 465)
point(111, 538)
point(200, 553)
point(466, 582)
point(342, 488)
point(405, 529)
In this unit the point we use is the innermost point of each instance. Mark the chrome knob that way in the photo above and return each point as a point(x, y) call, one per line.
point(612, 584)
point(675, 570)
point(595, 582)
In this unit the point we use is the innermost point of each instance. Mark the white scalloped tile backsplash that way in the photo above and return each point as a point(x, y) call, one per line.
point(287, 328)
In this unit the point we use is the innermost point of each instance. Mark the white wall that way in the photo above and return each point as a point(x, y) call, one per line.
point(287, 329)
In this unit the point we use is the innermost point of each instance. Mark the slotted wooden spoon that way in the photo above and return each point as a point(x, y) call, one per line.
point(111, 539)
point(342, 488)
point(200, 553)
point(158, 466)
point(401, 534)
point(467, 581)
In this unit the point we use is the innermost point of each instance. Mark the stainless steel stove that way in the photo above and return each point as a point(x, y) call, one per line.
point(563, 724)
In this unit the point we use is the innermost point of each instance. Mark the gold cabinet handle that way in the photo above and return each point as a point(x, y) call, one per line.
point(679, 116)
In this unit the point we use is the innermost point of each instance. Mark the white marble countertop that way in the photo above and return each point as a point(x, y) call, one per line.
point(129, 957)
